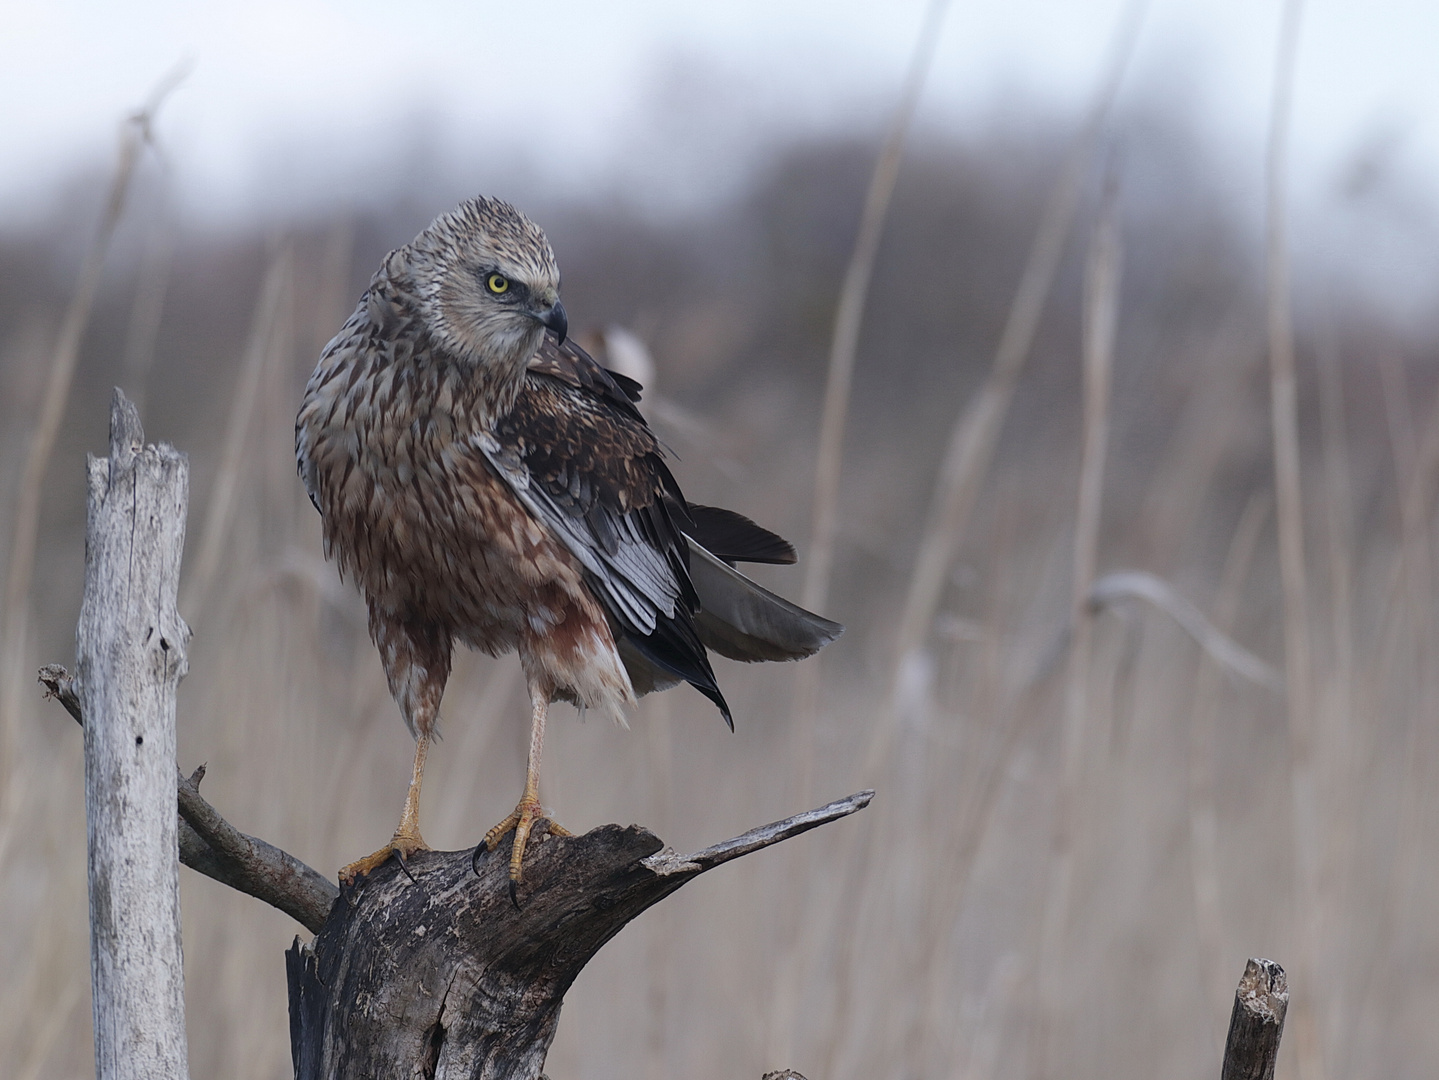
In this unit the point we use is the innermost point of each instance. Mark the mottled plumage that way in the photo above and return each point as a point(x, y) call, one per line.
point(485, 481)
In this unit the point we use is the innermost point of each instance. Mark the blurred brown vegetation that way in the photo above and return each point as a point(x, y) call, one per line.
point(921, 960)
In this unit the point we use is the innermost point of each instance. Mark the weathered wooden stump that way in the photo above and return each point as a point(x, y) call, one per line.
point(431, 971)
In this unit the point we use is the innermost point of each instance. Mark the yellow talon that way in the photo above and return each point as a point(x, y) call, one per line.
point(402, 845)
point(523, 819)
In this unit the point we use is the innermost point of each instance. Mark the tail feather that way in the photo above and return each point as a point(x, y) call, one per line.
point(733, 538)
point(742, 620)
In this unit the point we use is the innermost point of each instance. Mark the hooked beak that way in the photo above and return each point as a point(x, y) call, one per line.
point(555, 320)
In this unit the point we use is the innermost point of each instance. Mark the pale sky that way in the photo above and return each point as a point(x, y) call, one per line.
point(309, 99)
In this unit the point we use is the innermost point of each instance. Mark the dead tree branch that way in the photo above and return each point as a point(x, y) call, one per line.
point(212, 846)
point(434, 969)
point(445, 952)
point(430, 970)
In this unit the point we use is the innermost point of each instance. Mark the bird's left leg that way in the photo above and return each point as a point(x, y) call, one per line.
point(417, 665)
point(528, 811)
point(407, 839)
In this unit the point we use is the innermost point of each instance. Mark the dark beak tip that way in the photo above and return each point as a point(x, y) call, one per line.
point(558, 322)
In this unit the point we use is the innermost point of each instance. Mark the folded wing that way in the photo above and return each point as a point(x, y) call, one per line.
point(579, 456)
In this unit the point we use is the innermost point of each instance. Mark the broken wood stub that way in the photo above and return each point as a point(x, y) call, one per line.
point(1257, 1022)
point(130, 646)
point(429, 970)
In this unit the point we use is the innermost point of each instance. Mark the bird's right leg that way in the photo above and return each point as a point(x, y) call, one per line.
point(417, 665)
point(528, 812)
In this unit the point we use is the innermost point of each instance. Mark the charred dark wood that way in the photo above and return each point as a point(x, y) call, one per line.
point(1257, 1022)
point(429, 970)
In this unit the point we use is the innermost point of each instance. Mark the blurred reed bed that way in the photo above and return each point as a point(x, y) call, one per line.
point(925, 955)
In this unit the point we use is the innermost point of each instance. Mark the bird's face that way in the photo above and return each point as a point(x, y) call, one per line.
point(491, 284)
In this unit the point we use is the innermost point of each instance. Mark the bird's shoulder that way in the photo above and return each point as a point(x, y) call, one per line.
point(577, 430)
point(569, 364)
point(578, 455)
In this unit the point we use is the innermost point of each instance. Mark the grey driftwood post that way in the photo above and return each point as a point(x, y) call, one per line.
point(131, 656)
point(1257, 1022)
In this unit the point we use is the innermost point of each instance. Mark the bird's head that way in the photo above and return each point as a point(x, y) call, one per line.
point(488, 283)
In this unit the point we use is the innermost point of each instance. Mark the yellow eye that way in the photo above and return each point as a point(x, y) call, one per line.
point(497, 283)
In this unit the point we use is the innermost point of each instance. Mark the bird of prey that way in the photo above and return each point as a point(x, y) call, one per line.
point(483, 480)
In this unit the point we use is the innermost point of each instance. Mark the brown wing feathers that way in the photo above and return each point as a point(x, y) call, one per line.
point(580, 455)
point(606, 490)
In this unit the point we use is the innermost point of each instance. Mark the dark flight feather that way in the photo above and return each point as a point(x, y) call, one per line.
point(735, 538)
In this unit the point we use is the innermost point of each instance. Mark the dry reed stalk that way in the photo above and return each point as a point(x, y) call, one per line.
point(1409, 587)
point(1014, 720)
point(844, 342)
point(1346, 795)
point(1338, 532)
point(1284, 402)
point(1422, 458)
point(976, 430)
point(1403, 447)
point(1290, 510)
point(223, 491)
point(1411, 584)
point(136, 133)
point(147, 310)
point(971, 446)
point(850, 312)
point(1215, 412)
point(1220, 647)
point(1023, 704)
point(1101, 316)
point(270, 508)
point(659, 944)
point(1414, 472)
point(1203, 814)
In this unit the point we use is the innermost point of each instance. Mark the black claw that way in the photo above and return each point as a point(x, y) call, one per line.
point(405, 866)
point(475, 858)
point(515, 893)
